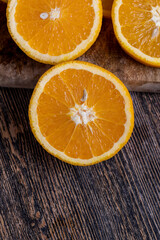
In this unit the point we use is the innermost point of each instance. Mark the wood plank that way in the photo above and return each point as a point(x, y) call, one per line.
point(18, 70)
point(44, 198)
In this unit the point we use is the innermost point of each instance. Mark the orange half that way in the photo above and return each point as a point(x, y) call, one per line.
point(52, 31)
point(81, 113)
point(137, 27)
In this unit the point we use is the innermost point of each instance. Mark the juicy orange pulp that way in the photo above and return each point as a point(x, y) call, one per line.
point(81, 113)
point(140, 22)
point(35, 24)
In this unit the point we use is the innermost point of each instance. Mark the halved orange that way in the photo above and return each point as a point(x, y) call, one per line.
point(107, 6)
point(52, 31)
point(81, 113)
point(137, 27)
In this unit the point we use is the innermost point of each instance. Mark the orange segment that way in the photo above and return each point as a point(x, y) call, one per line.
point(107, 6)
point(81, 113)
point(77, 81)
point(145, 4)
point(52, 31)
point(137, 28)
point(57, 88)
point(61, 136)
point(41, 40)
point(111, 111)
point(98, 140)
point(106, 104)
point(78, 147)
point(53, 114)
point(99, 88)
point(112, 130)
point(30, 29)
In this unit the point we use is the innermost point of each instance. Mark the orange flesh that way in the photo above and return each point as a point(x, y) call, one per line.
point(85, 140)
point(54, 36)
point(138, 27)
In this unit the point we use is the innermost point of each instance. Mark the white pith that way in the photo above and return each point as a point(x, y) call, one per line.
point(46, 57)
point(81, 114)
point(124, 42)
point(55, 13)
point(34, 117)
point(156, 15)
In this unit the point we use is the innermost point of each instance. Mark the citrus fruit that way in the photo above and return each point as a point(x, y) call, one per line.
point(81, 113)
point(107, 6)
point(137, 27)
point(52, 31)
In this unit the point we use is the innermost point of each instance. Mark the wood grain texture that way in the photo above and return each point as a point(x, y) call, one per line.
point(18, 70)
point(44, 198)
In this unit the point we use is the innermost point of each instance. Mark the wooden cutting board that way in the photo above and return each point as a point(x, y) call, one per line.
point(18, 70)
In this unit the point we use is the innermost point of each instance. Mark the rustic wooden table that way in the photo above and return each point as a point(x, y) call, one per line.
point(44, 198)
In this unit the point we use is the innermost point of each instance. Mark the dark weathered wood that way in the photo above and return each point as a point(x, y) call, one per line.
point(18, 70)
point(44, 198)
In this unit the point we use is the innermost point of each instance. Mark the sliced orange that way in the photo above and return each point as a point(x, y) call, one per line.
point(52, 31)
point(107, 6)
point(81, 113)
point(137, 28)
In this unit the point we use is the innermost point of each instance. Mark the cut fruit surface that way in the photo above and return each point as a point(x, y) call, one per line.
point(54, 31)
point(81, 113)
point(107, 6)
point(137, 27)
